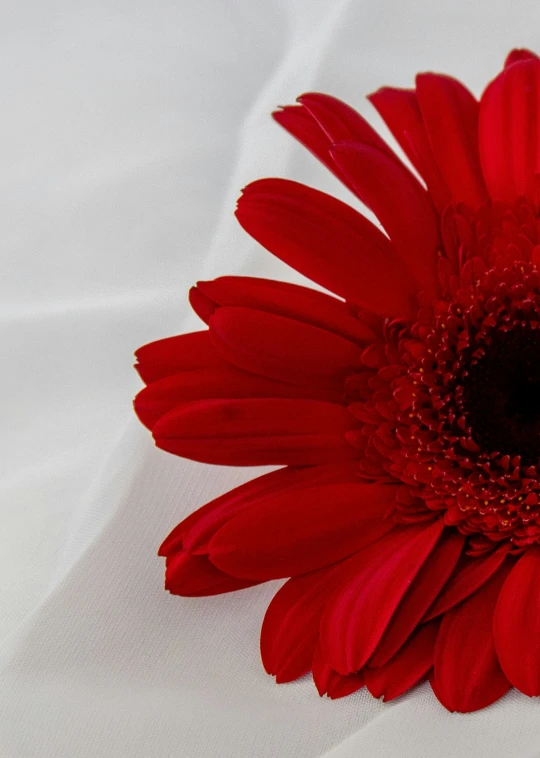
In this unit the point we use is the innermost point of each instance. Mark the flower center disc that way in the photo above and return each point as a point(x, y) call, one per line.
point(467, 405)
point(501, 394)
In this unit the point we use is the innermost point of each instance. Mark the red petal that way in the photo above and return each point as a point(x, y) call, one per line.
point(284, 299)
point(519, 54)
point(402, 206)
point(290, 628)
point(293, 533)
point(407, 667)
point(297, 120)
point(202, 305)
point(355, 619)
point(510, 132)
point(195, 532)
point(341, 122)
point(329, 242)
point(257, 432)
point(319, 116)
point(284, 349)
point(419, 597)
point(467, 675)
point(329, 682)
point(160, 397)
point(400, 110)
point(468, 577)
point(517, 624)
point(450, 114)
point(194, 576)
point(174, 354)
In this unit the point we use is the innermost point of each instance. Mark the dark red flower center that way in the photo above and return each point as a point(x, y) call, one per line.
point(451, 404)
point(500, 394)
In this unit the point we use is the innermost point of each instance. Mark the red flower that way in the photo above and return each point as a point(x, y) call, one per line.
point(405, 412)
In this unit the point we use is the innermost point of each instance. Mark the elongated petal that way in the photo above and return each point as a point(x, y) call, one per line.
point(469, 576)
point(194, 576)
point(329, 682)
point(196, 530)
point(320, 120)
point(450, 114)
point(299, 122)
point(160, 397)
point(171, 355)
point(518, 54)
point(467, 674)
point(330, 243)
point(400, 110)
point(400, 203)
point(284, 299)
point(357, 616)
point(293, 533)
point(407, 667)
point(517, 624)
point(290, 628)
point(424, 589)
point(284, 349)
point(340, 122)
point(257, 432)
point(510, 132)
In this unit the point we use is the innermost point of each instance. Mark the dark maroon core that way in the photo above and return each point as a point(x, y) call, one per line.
point(501, 393)
point(450, 406)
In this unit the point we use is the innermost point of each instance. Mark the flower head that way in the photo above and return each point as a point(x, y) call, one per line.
point(404, 409)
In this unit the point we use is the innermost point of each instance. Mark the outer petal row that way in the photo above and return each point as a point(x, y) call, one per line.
point(509, 132)
point(229, 533)
point(265, 385)
point(330, 243)
point(340, 615)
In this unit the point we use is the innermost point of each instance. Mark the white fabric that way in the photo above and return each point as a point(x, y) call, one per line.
point(127, 130)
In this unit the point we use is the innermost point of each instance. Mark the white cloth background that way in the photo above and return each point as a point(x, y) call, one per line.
point(127, 130)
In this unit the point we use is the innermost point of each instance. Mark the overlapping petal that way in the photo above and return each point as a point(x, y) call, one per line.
point(400, 203)
point(467, 673)
point(171, 355)
point(407, 667)
point(509, 132)
point(290, 629)
point(517, 624)
point(356, 617)
point(196, 530)
point(195, 576)
point(257, 432)
point(158, 398)
point(341, 122)
point(330, 243)
point(401, 112)
point(450, 114)
point(296, 532)
point(424, 588)
point(518, 54)
point(282, 299)
point(320, 120)
point(469, 576)
point(189, 571)
point(329, 682)
point(284, 349)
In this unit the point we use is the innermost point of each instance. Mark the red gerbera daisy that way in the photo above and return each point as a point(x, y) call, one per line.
point(405, 412)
